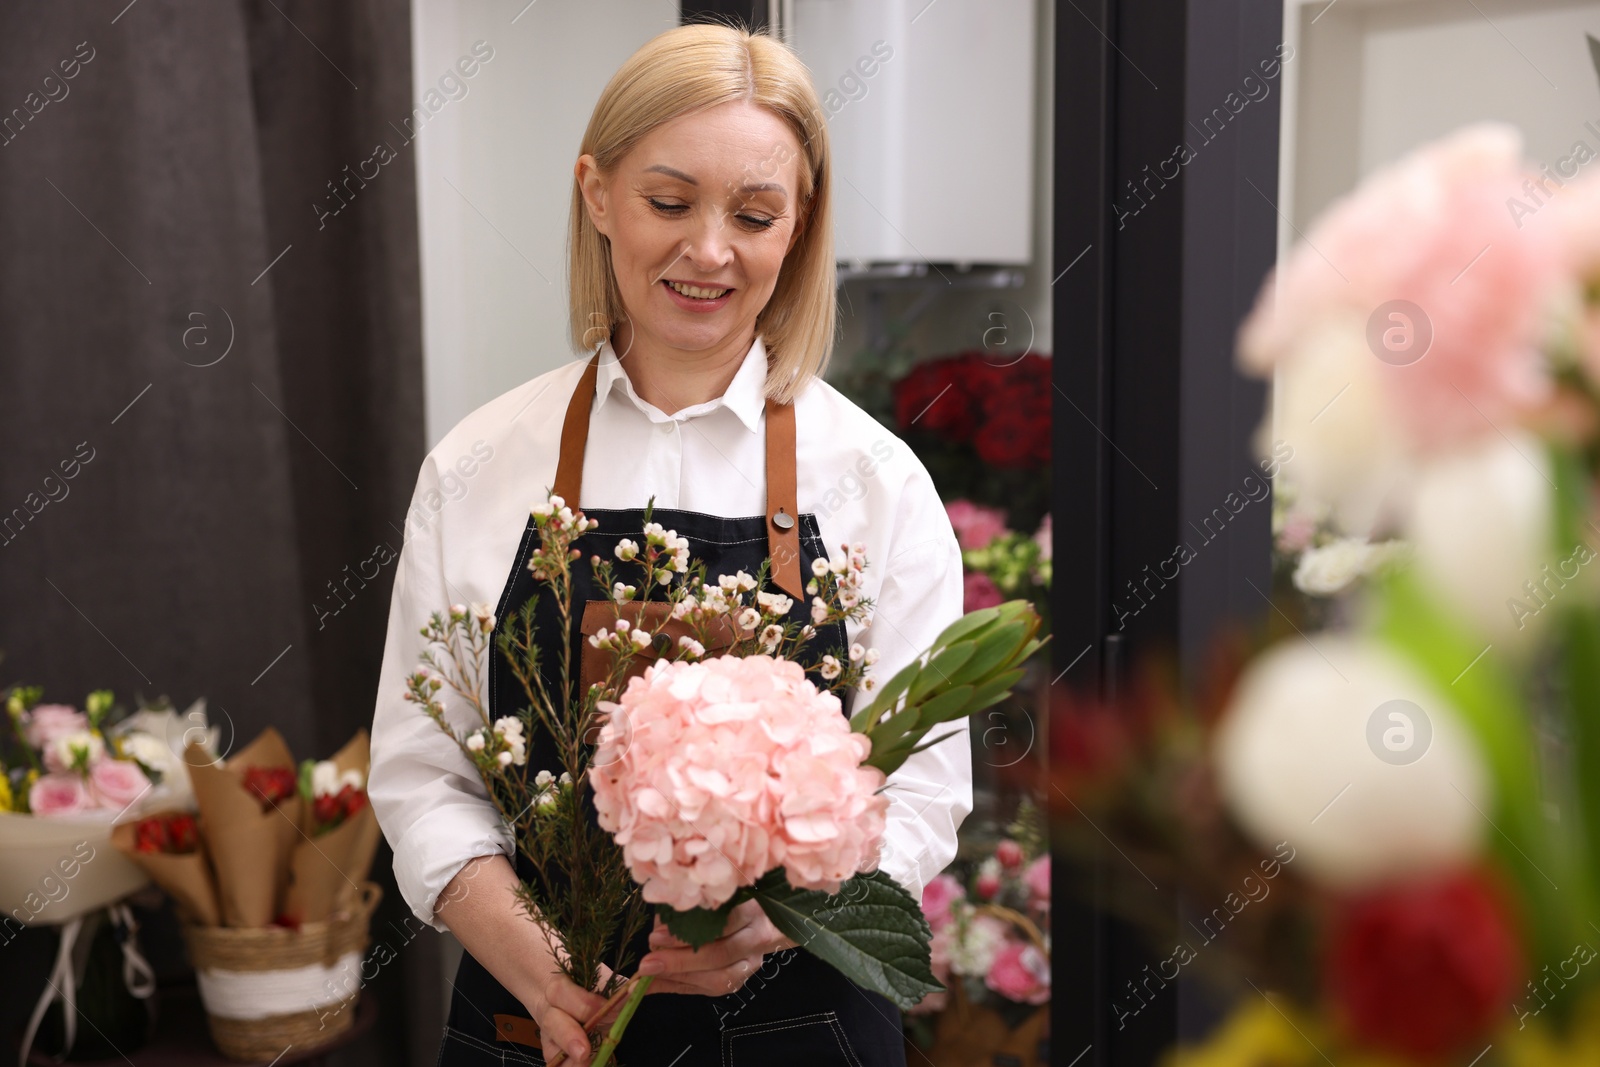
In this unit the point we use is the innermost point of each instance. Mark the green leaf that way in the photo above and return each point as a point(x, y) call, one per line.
point(967, 625)
point(871, 931)
point(930, 742)
point(889, 759)
point(1006, 641)
point(697, 926)
point(995, 689)
point(863, 721)
point(941, 668)
point(1434, 641)
point(950, 704)
point(892, 732)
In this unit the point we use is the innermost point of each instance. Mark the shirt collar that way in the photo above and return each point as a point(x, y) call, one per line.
point(745, 396)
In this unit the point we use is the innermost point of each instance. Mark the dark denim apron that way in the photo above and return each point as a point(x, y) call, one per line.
point(795, 1009)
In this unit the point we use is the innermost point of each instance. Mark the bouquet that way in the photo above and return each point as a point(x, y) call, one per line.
point(1390, 827)
point(70, 780)
point(274, 843)
point(715, 779)
point(67, 777)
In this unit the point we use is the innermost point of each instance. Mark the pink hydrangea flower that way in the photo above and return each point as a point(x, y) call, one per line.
point(937, 896)
point(59, 794)
point(116, 783)
point(710, 774)
point(975, 524)
point(47, 722)
point(1020, 972)
point(979, 591)
point(1433, 230)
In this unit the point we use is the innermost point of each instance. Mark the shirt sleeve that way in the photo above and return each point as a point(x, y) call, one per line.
point(931, 793)
point(426, 794)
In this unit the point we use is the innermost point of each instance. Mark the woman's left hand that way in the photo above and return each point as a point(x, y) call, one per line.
point(719, 967)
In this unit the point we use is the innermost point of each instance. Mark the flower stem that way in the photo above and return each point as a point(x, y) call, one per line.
point(641, 985)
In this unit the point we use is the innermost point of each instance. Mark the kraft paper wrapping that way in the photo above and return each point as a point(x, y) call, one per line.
point(325, 865)
point(187, 879)
point(249, 848)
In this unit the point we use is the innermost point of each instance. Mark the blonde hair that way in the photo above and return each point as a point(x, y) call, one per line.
point(691, 68)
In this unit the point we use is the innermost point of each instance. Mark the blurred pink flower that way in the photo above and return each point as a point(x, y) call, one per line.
point(975, 524)
point(1009, 853)
point(1298, 530)
point(1432, 230)
point(1574, 217)
point(59, 794)
point(979, 591)
point(116, 783)
point(47, 722)
point(987, 885)
point(1037, 878)
point(710, 774)
point(937, 896)
point(1042, 537)
point(1020, 972)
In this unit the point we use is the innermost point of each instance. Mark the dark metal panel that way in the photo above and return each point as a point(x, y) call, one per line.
point(1152, 424)
point(749, 13)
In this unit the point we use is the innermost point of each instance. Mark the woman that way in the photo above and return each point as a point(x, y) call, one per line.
point(702, 282)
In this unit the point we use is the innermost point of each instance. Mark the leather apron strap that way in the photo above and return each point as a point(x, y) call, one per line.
point(783, 523)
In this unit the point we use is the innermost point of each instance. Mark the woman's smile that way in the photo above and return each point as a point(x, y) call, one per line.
point(697, 298)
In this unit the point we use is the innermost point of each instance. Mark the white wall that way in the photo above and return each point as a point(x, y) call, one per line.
point(1376, 78)
point(494, 174)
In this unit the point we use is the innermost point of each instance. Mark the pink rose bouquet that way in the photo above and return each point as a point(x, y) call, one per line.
point(61, 763)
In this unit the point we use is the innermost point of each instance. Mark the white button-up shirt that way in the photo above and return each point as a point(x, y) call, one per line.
point(467, 518)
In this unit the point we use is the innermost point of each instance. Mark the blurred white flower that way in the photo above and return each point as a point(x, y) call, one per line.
point(1338, 747)
point(74, 751)
point(1329, 408)
point(1482, 525)
point(1331, 568)
point(979, 938)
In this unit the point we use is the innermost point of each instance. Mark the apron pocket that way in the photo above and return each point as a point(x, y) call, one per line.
point(461, 1049)
point(810, 1039)
point(654, 614)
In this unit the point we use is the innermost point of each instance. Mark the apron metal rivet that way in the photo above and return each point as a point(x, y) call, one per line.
point(782, 520)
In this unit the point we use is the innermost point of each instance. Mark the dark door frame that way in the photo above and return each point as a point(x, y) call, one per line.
point(1163, 250)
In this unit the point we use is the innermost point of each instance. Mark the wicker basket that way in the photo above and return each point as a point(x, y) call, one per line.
point(266, 988)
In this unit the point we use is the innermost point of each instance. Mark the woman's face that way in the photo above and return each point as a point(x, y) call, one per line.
point(708, 201)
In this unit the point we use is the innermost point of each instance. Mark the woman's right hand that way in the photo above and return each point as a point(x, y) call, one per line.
point(480, 907)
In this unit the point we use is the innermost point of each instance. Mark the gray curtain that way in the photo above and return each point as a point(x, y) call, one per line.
point(210, 378)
